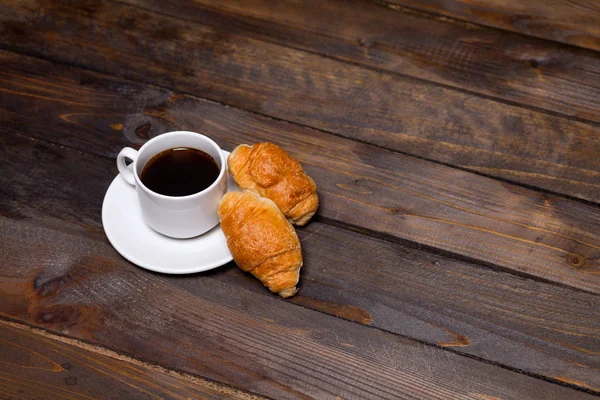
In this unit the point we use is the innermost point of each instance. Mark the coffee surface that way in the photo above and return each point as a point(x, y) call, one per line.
point(180, 171)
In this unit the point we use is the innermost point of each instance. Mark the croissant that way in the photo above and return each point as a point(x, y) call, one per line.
point(261, 240)
point(268, 170)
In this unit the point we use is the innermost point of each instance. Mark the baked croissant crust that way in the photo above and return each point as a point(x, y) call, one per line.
point(261, 240)
point(268, 170)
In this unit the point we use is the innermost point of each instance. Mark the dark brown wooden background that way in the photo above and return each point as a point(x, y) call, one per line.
point(456, 148)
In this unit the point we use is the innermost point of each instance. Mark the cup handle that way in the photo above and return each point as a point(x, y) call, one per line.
point(125, 170)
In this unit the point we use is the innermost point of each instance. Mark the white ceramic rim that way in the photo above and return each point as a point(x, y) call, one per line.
point(222, 171)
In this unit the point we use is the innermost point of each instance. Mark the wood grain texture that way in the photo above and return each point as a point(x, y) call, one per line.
point(35, 366)
point(531, 326)
point(79, 286)
point(397, 113)
point(507, 66)
point(360, 185)
point(566, 21)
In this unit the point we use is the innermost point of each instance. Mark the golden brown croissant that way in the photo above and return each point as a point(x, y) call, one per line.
point(261, 240)
point(270, 171)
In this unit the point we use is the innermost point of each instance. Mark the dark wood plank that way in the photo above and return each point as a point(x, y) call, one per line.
point(531, 326)
point(397, 113)
point(360, 185)
point(79, 287)
point(566, 21)
point(507, 66)
point(37, 366)
point(75, 108)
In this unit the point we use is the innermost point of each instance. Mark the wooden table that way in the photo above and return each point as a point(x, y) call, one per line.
point(456, 148)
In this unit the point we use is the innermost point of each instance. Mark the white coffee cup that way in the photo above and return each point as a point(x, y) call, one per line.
point(179, 217)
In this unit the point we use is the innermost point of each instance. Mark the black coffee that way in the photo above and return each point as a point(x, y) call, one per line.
point(180, 172)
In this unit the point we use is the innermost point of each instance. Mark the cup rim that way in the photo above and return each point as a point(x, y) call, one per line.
point(223, 168)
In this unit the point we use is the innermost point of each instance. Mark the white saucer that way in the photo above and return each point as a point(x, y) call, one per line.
point(138, 243)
